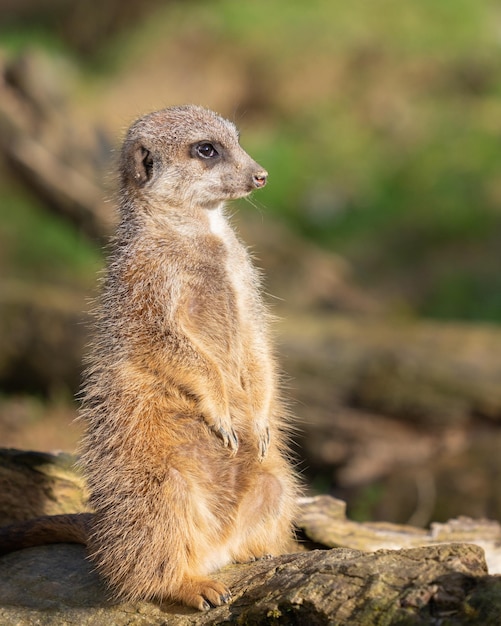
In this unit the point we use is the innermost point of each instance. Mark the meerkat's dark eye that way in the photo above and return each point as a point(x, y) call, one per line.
point(206, 150)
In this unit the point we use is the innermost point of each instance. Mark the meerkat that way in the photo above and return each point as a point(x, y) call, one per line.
point(186, 447)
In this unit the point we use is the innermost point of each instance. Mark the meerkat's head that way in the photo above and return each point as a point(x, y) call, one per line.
point(187, 156)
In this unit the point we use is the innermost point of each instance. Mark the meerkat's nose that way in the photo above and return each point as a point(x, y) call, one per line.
point(259, 178)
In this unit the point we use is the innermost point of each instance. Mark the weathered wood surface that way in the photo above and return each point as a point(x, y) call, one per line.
point(54, 585)
point(324, 522)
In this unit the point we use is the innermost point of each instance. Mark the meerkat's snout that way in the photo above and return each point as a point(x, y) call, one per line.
point(259, 178)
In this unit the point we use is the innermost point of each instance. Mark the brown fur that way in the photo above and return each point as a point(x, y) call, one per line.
point(185, 452)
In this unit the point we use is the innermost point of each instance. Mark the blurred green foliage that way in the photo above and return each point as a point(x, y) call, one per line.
point(398, 165)
point(39, 247)
point(380, 124)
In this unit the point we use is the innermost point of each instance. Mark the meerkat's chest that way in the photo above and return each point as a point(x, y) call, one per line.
point(239, 270)
point(217, 223)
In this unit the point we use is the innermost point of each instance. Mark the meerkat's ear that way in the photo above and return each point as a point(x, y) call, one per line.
point(143, 164)
point(137, 163)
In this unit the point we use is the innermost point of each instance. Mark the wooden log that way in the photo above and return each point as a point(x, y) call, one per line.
point(419, 585)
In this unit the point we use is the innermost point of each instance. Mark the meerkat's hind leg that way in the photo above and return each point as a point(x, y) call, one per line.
point(202, 593)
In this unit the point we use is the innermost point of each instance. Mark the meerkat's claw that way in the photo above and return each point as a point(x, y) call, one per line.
point(233, 441)
point(225, 598)
point(230, 439)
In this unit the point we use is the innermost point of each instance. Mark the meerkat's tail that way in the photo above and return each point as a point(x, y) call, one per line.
point(69, 528)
